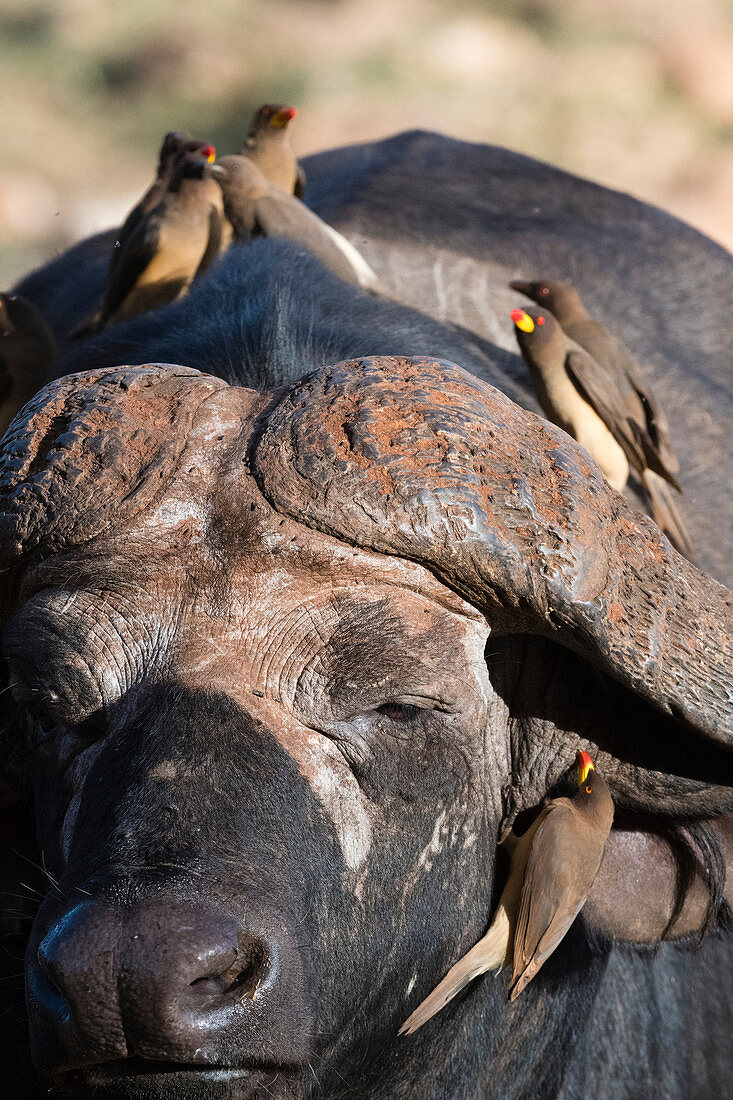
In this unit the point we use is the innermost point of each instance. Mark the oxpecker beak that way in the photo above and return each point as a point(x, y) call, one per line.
point(219, 171)
point(585, 765)
point(283, 117)
point(209, 154)
point(523, 288)
point(522, 320)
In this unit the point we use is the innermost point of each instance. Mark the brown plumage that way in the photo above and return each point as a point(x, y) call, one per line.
point(174, 145)
point(626, 405)
point(268, 145)
point(168, 247)
point(553, 866)
point(555, 364)
point(257, 208)
point(27, 353)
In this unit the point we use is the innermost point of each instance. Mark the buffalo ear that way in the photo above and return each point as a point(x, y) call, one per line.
point(653, 887)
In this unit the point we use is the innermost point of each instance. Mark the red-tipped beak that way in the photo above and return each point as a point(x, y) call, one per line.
point(283, 117)
point(522, 320)
point(585, 764)
point(208, 152)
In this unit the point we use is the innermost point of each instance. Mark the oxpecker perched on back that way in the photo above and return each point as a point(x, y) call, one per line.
point(607, 379)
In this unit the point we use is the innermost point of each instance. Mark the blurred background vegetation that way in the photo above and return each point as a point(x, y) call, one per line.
point(637, 94)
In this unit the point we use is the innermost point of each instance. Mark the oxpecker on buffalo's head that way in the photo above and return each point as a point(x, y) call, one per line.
point(284, 665)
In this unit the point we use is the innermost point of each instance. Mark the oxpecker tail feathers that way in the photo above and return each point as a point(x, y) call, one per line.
point(363, 272)
point(490, 953)
point(666, 514)
point(525, 978)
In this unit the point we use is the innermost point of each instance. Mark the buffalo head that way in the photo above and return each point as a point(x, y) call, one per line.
point(284, 666)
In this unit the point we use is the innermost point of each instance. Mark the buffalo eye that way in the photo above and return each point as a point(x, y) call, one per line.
point(41, 709)
point(89, 729)
point(399, 712)
point(44, 721)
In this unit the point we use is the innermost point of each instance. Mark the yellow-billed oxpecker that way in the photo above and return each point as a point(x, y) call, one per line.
point(627, 405)
point(174, 145)
point(170, 245)
point(553, 867)
point(268, 145)
point(257, 208)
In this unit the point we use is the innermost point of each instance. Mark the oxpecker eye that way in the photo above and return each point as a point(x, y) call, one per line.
point(545, 290)
point(540, 320)
point(589, 790)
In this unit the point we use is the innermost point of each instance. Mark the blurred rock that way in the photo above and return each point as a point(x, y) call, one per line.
point(28, 207)
point(90, 213)
point(699, 64)
point(469, 48)
point(636, 94)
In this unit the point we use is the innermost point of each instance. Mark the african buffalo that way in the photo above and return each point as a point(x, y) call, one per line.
point(445, 225)
point(287, 656)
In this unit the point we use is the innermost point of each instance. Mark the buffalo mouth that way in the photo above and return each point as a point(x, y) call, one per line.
point(130, 1078)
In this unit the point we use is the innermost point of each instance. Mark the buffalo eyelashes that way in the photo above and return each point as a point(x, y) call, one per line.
point(91, 728)
point(34, 709)
point(399, 712)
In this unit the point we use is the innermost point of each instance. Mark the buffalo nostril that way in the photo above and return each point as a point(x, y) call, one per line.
point(250, 976)
point(243, 977)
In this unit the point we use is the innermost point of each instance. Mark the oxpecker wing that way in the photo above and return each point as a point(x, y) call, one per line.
point(140, 248)
point(256, 207)
point(595, 383)
point(551, 897)
point(640, 405)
